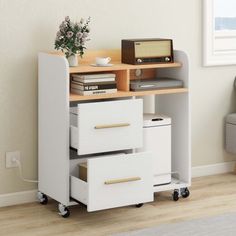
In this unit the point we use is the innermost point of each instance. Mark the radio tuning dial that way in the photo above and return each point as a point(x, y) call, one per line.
point(167, 59)
point(139, 60)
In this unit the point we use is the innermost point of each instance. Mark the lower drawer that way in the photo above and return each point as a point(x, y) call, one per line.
point(115, 181)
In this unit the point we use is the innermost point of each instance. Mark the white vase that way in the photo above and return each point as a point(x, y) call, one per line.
point(73, 60)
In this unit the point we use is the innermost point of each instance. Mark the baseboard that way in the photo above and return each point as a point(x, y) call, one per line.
point(198, 171)
point(18, 198)
point(219, 168)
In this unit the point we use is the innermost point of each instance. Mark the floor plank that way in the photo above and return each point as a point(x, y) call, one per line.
point(210, 196)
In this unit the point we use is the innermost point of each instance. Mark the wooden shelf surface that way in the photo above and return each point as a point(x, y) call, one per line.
point(124, 74)
point(119, 94)
point(90, 55)
point(87, 68)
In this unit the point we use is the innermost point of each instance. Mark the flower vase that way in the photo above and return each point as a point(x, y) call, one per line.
point(73, 60)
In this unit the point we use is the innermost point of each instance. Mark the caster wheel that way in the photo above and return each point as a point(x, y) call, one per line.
point(63, 211)
point(139, 205)
point(185, 193)
point(176, 195)
point(43, 199)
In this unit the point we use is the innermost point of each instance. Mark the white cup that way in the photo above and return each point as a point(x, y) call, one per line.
point(102, 60)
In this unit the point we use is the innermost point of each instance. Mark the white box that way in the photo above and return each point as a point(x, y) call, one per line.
point(157, 140)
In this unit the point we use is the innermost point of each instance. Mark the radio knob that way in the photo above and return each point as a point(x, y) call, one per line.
point(167, 59)
point(139, 60)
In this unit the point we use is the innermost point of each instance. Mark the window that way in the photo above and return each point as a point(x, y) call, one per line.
point(219, 32)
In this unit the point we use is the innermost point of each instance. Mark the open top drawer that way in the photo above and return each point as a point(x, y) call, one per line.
point(107, 126)
point(114, 181)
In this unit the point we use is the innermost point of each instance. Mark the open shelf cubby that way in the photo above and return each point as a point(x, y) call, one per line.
point(124, 73)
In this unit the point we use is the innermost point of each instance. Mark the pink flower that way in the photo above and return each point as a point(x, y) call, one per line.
point(69, 34)
point(63, 26)
point(83, 41)
point(79, 35)
point(85, 34)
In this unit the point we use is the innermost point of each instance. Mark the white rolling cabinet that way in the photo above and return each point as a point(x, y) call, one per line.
point(104, 131)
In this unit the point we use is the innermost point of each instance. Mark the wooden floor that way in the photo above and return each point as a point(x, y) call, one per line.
point(210, 196)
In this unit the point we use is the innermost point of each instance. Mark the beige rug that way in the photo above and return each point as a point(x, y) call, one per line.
point(224, 225)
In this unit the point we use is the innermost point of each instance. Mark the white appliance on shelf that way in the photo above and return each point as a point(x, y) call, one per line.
point(157, 140)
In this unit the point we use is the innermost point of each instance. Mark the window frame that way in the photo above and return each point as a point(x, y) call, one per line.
point(224, 55)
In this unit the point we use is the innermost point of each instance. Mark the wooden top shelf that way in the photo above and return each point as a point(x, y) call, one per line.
point(85, 68)
point(123, 73)
point(119, 94)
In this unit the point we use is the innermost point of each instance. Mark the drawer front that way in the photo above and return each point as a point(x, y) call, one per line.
point(120, 180)
point(109, 126)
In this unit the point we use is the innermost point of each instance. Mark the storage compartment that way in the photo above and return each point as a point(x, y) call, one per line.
point(53, 139)
point(114, 181)
point(157, 140)
point(106, 126)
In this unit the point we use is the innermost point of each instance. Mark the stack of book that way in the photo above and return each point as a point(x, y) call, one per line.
point(92, 84)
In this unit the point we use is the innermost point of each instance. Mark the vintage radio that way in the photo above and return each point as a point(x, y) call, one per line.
point(146, 51)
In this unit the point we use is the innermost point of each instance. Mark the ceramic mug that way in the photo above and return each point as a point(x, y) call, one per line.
point(102, 60)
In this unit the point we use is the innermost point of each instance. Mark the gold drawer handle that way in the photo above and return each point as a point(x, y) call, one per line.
point(111, 126)
point(118, 181)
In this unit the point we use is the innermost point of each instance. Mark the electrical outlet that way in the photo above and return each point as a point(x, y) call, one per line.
point(10, 156)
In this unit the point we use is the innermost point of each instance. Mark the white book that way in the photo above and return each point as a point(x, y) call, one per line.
point(93, 92)
point(94, 76)
point(93, 80)
point(95, 86)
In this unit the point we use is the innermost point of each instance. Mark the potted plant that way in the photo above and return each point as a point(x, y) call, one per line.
point(71, 38)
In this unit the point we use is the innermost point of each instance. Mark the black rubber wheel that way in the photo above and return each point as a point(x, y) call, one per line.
point(176, 196)
point(185, 193)
point(44, 200)
point(139, 205)
point(67, 214)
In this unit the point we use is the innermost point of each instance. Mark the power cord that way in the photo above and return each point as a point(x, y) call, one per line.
point(21, 173)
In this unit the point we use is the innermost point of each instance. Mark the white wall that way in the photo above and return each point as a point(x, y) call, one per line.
point(29, 26)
